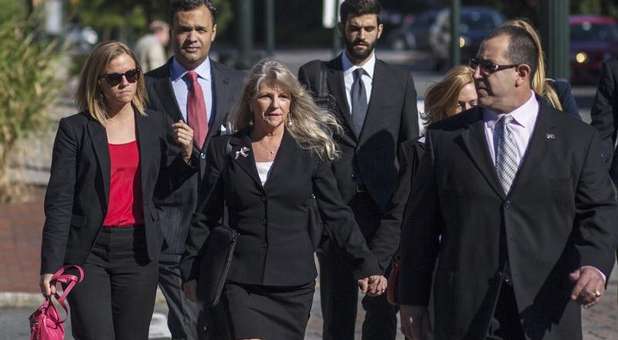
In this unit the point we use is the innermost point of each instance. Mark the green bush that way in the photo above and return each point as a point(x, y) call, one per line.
point(29, 85)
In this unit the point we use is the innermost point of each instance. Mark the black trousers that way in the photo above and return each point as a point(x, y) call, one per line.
point(116, 299)
point(339, 289)
point(183, 316)
point(506, 324)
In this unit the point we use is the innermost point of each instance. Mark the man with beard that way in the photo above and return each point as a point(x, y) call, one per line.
point(376, 105)
point(193, 88)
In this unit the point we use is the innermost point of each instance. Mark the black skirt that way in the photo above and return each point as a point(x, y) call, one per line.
point(267, 312)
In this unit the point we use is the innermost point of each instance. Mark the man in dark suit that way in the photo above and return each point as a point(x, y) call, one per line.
point(513, 199)
point(193, 88)
point(376, 104)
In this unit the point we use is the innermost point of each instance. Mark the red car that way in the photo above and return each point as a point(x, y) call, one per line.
point(593, 39)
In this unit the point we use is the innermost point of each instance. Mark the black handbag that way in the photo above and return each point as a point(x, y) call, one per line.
point(215, 263)
point(217, 257)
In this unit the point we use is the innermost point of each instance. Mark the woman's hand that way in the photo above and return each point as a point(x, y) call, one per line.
point(373, 285)
point(47, 289)
point(183, 135)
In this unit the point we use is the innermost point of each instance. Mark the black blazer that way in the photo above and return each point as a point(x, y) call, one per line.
point(78, 189)
point(604, 113)
point(177, 208)
point(391, 119)
point(274, 246)
point(410, 154)
point(559, 215)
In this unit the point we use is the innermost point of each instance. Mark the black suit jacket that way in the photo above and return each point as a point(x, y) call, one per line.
point(604, 113)
point(274, 247)
point(78, 190)
point(565, 96)
point(559, 215)
point(177, 208)
point(371, 159)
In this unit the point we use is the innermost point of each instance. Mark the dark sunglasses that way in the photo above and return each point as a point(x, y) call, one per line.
point(487, 66)
point(114, 79)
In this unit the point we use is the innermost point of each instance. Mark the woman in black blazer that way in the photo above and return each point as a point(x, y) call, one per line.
point(267, 177)
point(99, 209)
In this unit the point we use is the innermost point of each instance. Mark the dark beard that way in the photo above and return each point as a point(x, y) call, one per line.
point(358, 56)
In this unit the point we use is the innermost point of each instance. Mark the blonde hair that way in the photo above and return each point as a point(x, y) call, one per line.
point(309, 125)
point(441, 98)
point(540, 84)
point(89, 96)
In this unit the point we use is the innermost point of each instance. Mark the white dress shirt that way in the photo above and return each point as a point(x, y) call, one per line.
point(181, 85)
point(348, 75)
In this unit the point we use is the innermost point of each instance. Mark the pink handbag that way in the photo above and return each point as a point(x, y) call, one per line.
point(46, 322)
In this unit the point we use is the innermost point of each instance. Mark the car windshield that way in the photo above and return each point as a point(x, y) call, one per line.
point(477, 21)
point(594, 32)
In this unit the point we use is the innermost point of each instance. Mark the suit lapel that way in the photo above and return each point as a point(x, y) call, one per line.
point(336, 86)
point(247, 163)
point(220, 95)
point(99, 144)
point(537, 147)
point(477, 149)
point(145, 144)
point(165, 91)
point(282, 159)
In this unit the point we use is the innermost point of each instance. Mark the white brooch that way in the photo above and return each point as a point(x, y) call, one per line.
point(244, 151)
point(550, 136)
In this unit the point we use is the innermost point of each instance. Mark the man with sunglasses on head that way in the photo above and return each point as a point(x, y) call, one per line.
point(511, 219)
point(193, 88)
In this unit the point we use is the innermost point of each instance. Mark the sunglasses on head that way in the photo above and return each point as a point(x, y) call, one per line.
point(487, 66)
point(114, 79)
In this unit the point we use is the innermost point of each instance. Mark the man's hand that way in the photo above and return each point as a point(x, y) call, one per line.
point(47, 289)
point(415, 323)
point(373, 285)
point(183, 135)
point(589, 286)
point(190, 289)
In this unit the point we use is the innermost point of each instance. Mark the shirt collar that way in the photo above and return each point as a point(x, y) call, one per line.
point(368, 66)
point(525, 115)
point(178, 71)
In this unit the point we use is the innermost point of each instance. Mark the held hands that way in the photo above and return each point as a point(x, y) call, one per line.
point(373, 285)
point(183, 135)
point(47, 289)
point(589, 286)
point(415, 323)
point(190, 289)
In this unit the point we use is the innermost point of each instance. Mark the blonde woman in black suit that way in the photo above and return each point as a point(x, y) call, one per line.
point(99, 211)
point(279, 159)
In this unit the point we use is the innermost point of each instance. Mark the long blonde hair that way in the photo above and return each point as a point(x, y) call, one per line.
point(89, 96)
point(540, 84)
point(441, 98)
point(309, 125)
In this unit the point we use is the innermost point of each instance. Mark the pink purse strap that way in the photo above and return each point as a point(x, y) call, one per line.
point(68, 279)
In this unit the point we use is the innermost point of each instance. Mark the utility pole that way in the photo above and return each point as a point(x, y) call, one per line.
point(555, 31)
point(270, 27)
point(245, 33)
point(336, 38)
point(454, 44)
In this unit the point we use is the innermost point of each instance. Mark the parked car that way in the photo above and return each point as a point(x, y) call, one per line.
point(593, 39)
point(415, 34)
point(476, 22)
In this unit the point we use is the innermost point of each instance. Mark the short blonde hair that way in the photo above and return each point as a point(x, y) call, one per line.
point(539, 82)
point(441, 98)
point(89, 96)
point(310, 126)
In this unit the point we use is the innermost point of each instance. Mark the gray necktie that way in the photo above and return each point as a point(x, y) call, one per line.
point(359, 102)
point(507, 153)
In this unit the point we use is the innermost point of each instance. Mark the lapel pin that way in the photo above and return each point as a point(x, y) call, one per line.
point(244, 151)
point(550, 136)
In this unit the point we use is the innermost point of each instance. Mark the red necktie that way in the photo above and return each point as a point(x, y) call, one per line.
point(196, 111)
